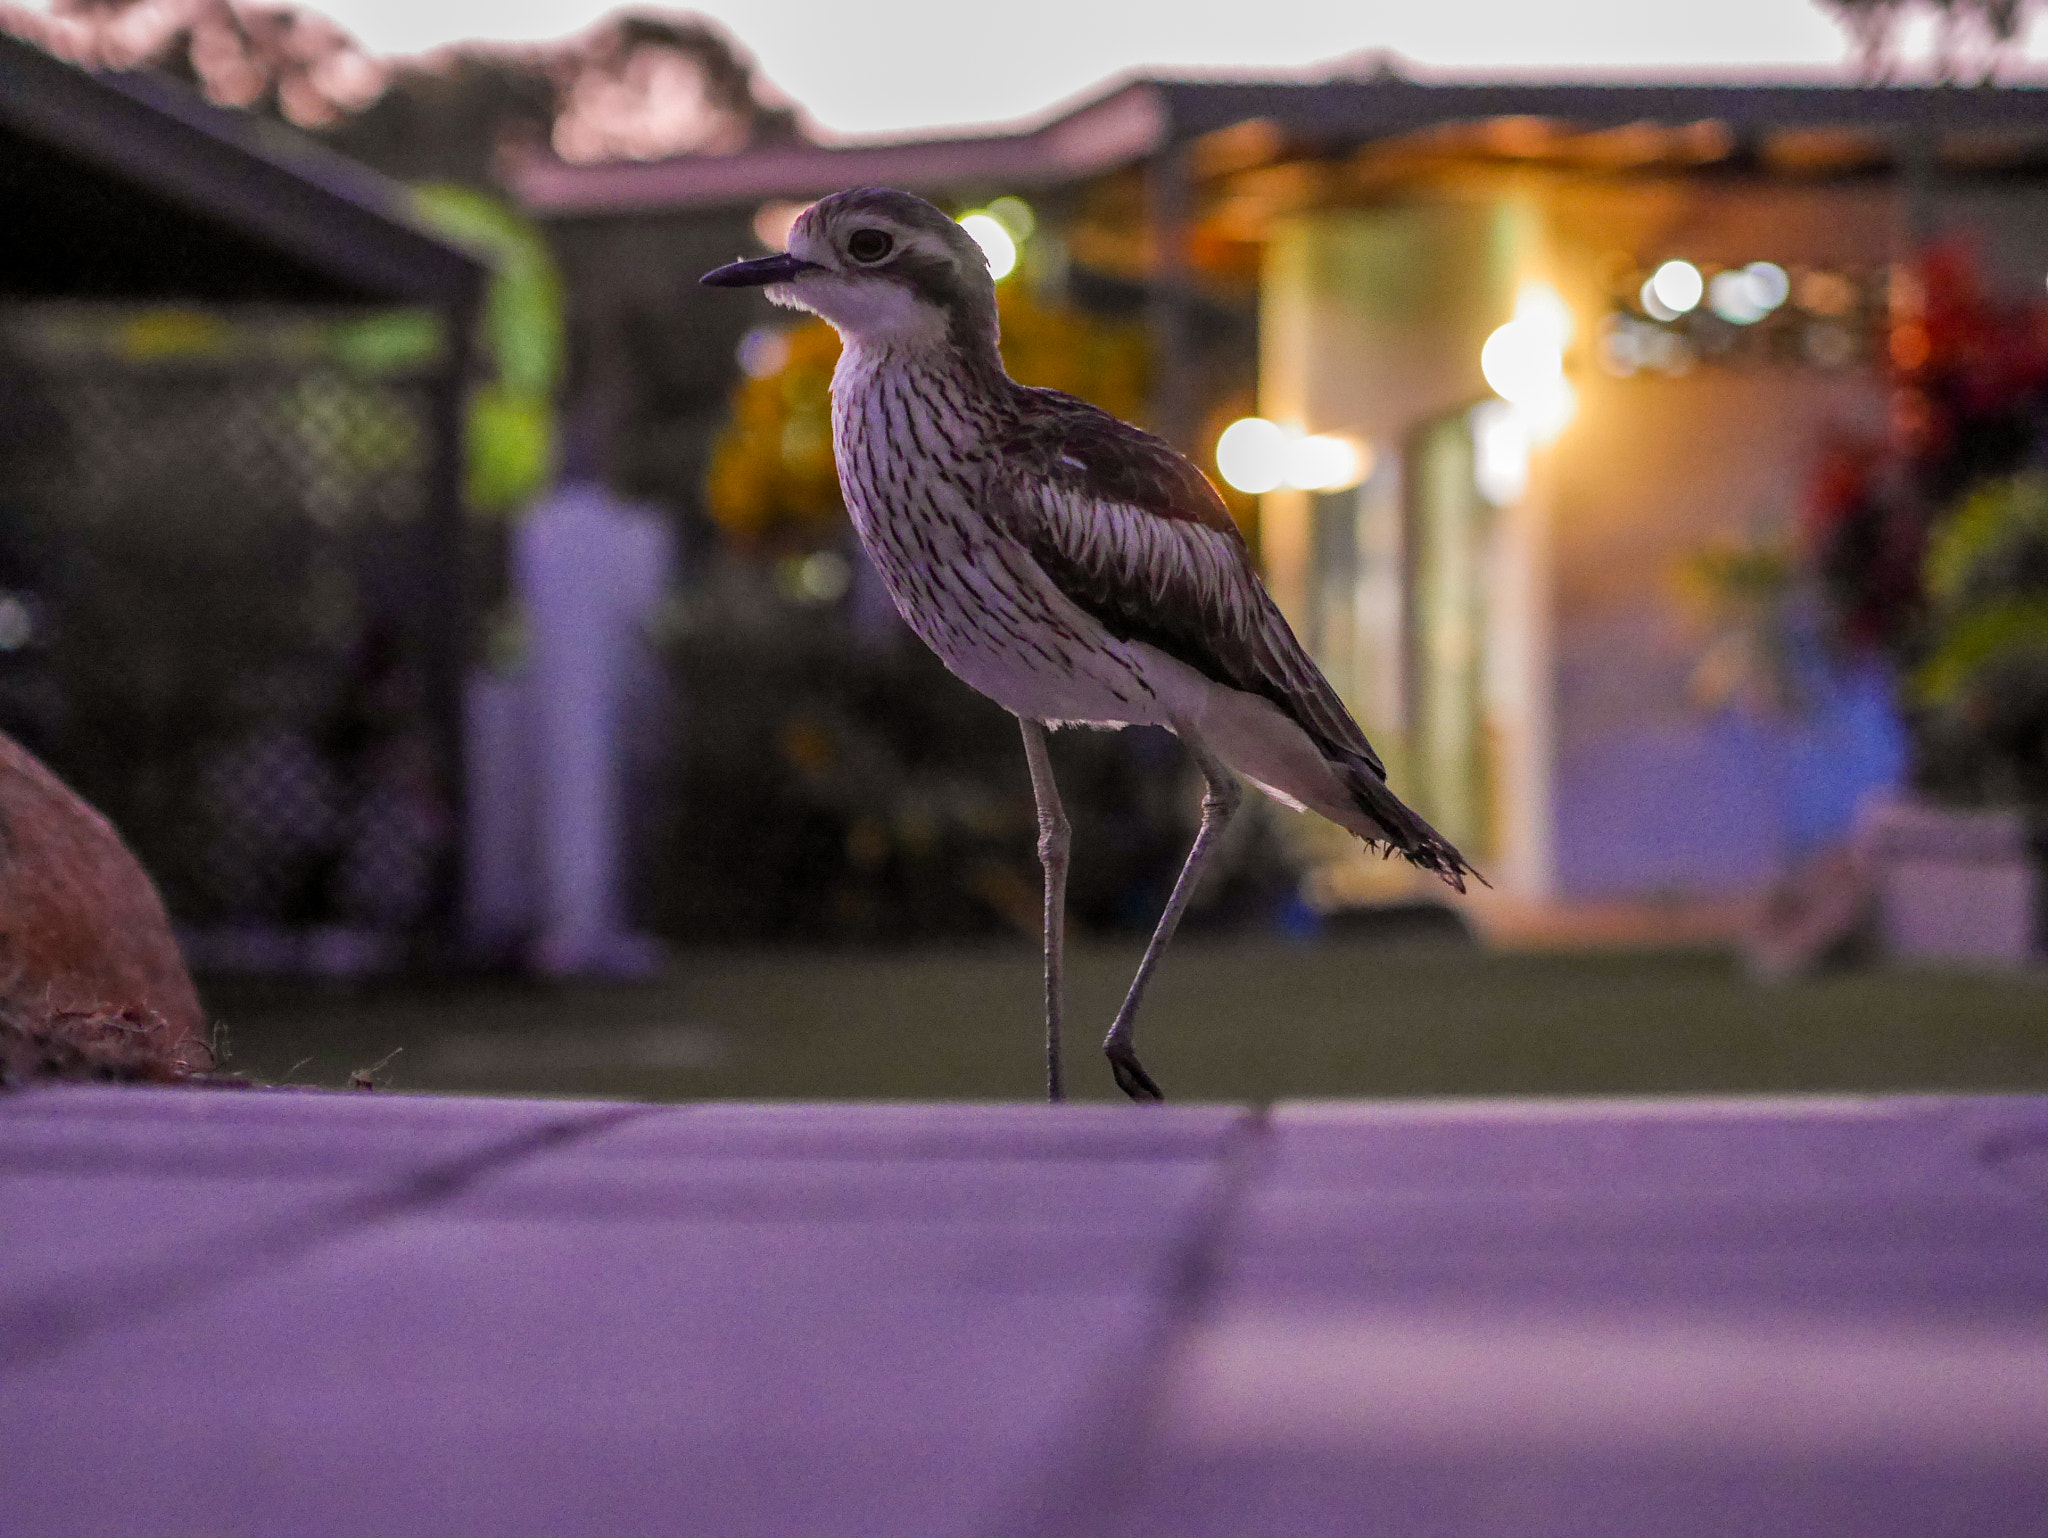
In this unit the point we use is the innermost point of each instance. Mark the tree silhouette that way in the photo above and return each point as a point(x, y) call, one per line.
point(638, 85)
point(1971, 40)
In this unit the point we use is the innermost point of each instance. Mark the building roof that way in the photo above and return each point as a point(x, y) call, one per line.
point(136, 188)
point(1136, 119)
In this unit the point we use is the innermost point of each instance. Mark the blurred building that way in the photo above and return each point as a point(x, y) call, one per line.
point(1533, 356)
point(232, 593)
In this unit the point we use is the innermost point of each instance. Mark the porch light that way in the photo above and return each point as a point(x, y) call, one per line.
point(1500, 452)
point(1523, 360)
point(1550, 412)
point(1252, 455)
point(995, 242)
point(1327, 462)
point(1255, 456)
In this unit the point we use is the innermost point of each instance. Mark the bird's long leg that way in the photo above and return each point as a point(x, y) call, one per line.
point(1220, 800)
point(1054, 836)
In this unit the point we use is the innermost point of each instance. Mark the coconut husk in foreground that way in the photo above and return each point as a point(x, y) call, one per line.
point(91, 981)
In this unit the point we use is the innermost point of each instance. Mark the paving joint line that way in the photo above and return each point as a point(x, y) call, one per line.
point(1087, 1479)
point(53, 1320)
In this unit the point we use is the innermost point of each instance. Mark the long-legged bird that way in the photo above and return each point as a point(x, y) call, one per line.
point(1075, 569)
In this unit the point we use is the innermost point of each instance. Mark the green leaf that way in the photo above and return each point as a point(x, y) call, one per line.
point(1980, 640)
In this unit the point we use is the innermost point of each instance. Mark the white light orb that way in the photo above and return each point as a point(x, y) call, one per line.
point(995, 243)
point(1327, 462)
point(1654, 307)
point(1500, 452)
point(1252, 455)
point(1770, 283)
point(1541, 308)
point(1678, 286)
point(1734, 296)
point(1521, 360)
point(1548, 413)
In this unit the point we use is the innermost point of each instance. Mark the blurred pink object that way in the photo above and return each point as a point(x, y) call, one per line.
point(1953, 885)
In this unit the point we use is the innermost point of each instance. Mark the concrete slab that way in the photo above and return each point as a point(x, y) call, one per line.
point(735, 1320)
point(380, 1314)
point(120, 1201)
point(1601, 1318)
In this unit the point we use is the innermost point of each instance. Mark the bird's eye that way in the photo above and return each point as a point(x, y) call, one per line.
point(868, 245)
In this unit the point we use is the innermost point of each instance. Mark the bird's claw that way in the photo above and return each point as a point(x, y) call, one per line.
point(1131, 1077)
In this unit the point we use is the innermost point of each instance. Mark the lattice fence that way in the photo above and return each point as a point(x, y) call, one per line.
point(218, 575)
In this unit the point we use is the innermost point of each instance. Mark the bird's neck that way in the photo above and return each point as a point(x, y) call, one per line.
point(972, 366)
point(971, 382)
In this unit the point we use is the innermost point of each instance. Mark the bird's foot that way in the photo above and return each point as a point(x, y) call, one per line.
point(1131, 1077)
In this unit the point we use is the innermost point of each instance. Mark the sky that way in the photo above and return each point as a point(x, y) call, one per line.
point(909, 66)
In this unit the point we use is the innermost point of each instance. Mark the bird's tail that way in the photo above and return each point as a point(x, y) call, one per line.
point(1392, 825)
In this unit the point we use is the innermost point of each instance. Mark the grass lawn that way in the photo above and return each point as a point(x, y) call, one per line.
point(1238, 1020)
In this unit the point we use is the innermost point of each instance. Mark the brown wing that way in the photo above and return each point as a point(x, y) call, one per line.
point(1137, 537)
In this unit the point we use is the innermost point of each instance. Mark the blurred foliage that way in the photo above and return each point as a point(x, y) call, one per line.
point(853, 791)
point(1981, 694)
point(1930, 540)
point(521, 335)
point(772, 479)
point(1994, 544)
point(1968, 41)
point(772, 472)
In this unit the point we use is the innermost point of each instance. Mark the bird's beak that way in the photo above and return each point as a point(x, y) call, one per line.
point(779, 268)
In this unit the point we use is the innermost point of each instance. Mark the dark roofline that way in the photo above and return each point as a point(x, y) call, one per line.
point(1124, 126)
point(259, 178)
point(1360, 110)
point(1137, 118)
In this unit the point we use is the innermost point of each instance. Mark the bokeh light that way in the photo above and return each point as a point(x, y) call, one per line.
point(1016, 216)
point(1550, 410)
point(1826, 293)
point(1677, 286)
point(763, 352)
point(1500, 452)
point(772, 223)
point(1252, 455)
point(1742, 296)
point(1524, 358)
point(995, 242)
point(1733, 297)
point(1770, 283)
point(1327, 462)
point(1541, 308)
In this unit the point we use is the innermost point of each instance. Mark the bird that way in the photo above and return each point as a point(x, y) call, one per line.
point(1075, 569)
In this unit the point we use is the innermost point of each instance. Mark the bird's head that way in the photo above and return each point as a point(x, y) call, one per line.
point(885, 268)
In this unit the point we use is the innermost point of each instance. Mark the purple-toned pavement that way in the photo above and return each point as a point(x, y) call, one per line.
point(297, 1314)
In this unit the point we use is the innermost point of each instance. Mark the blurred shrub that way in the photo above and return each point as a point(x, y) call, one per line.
point(1981, 694)
point(1930, 540)
point(833, 786)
